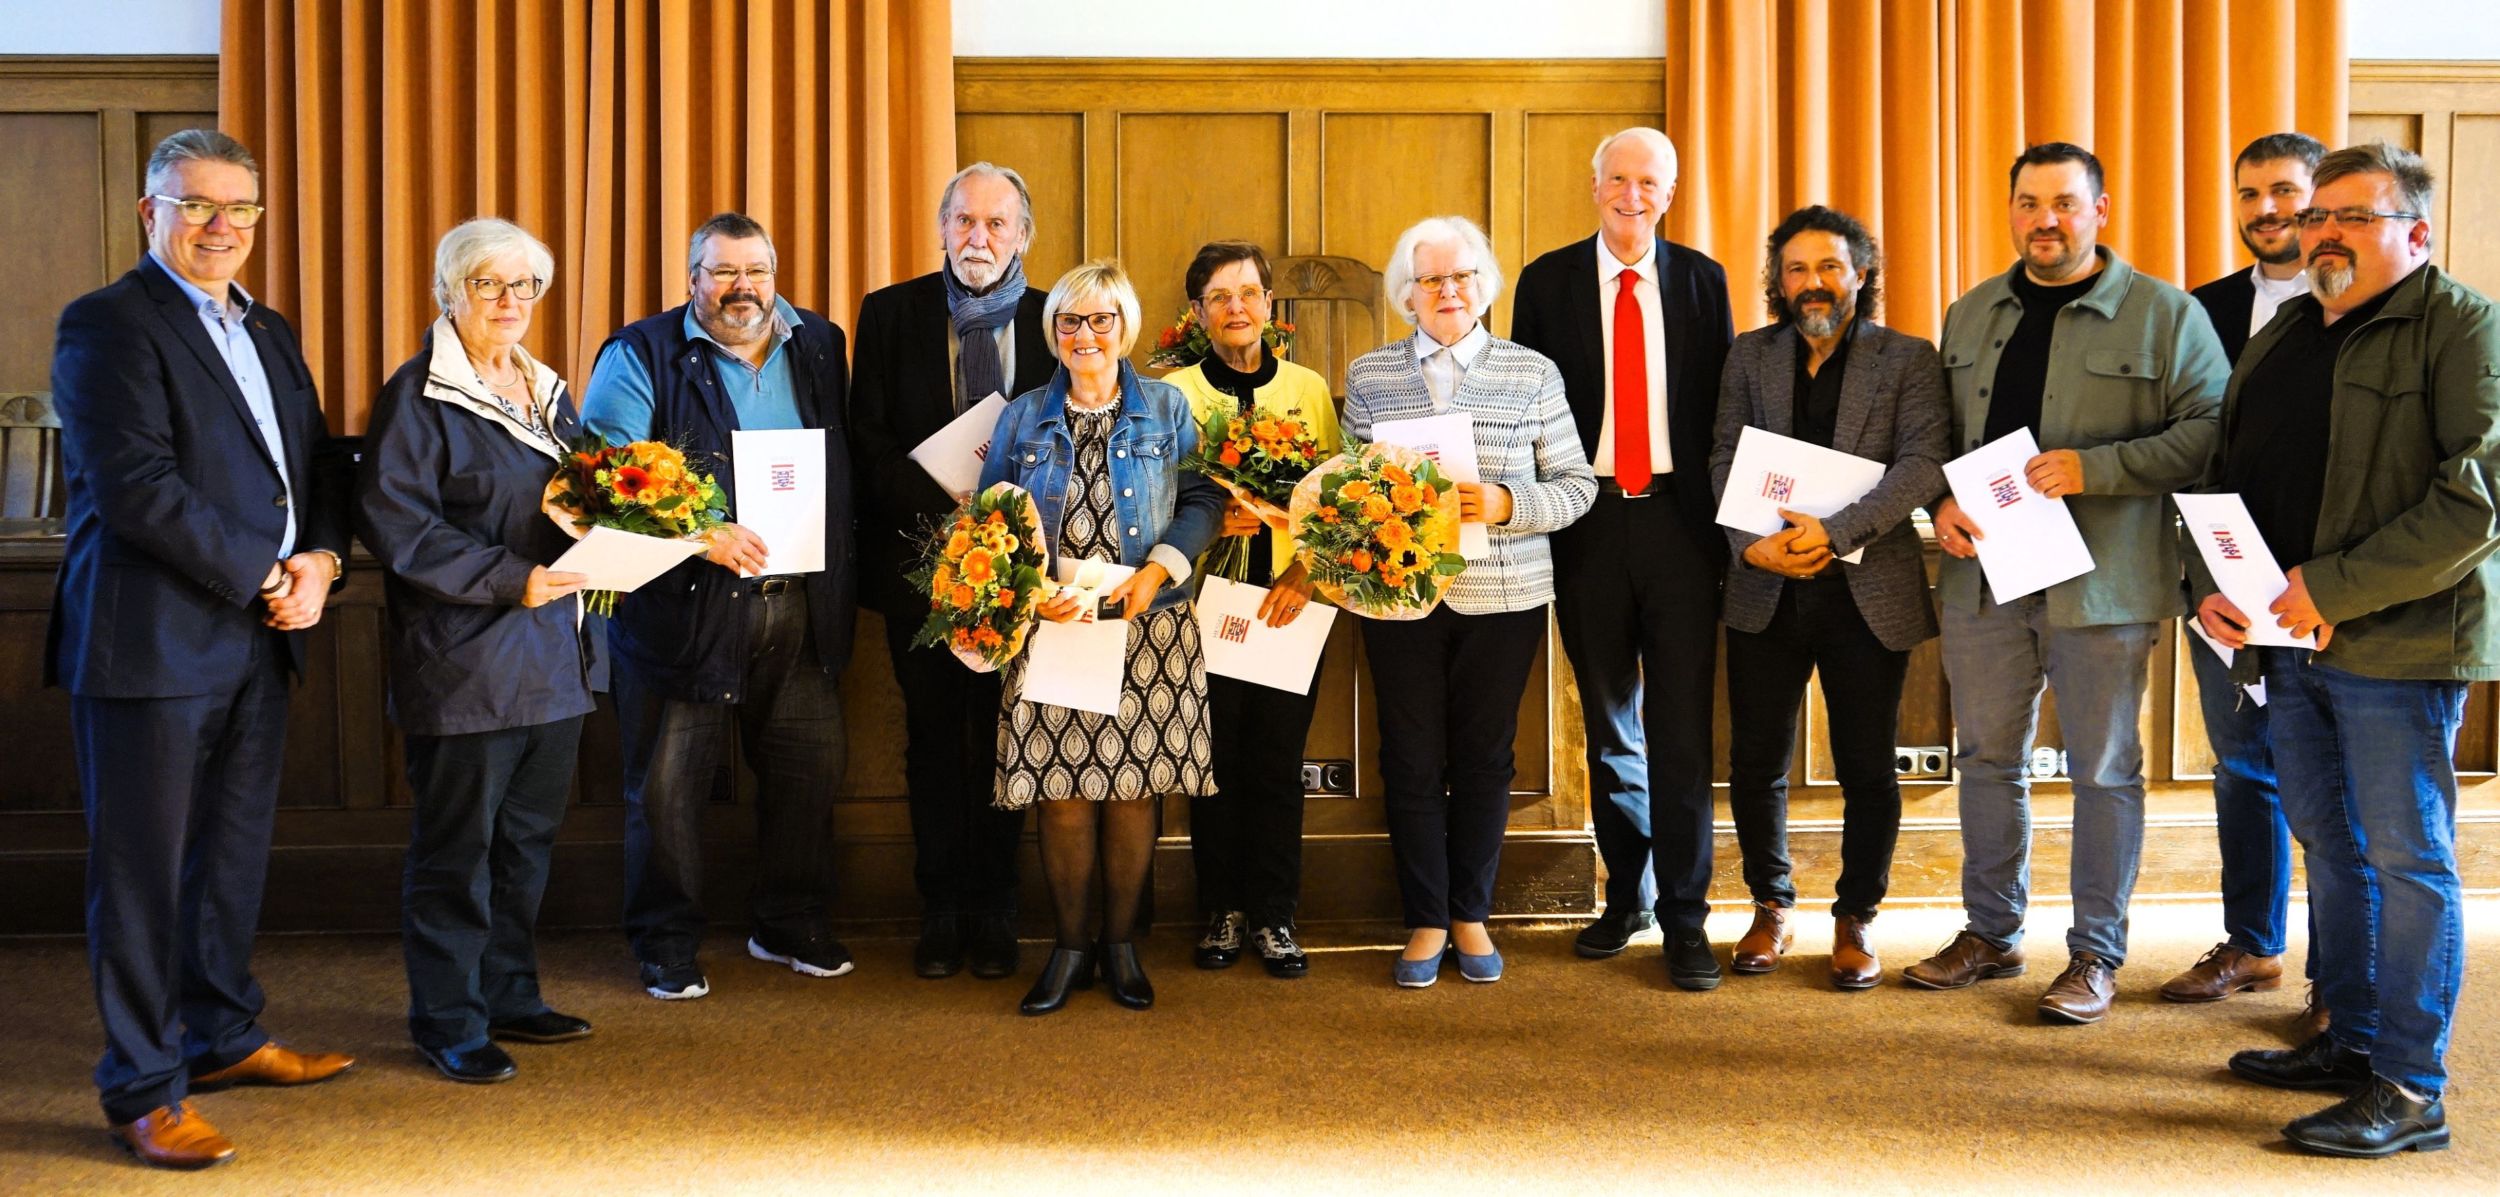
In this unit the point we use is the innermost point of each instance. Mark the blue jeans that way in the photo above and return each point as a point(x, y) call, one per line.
point(2370, 786)
point(1996, 659)
point(2256, 842)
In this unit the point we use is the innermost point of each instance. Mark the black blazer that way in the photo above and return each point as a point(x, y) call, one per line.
point(2228, 301)
point(176, 510)
point(902, 392)
point(1556, 313)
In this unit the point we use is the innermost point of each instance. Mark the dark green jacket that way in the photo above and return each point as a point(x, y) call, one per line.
point(2403, 565)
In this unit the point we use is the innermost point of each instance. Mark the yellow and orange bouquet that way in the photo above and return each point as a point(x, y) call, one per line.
point(983, 574)
point(645, 488)
point(1259, 458)
point(1378, 526)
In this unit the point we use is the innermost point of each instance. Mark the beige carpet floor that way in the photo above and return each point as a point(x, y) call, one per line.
point(1568, 1076)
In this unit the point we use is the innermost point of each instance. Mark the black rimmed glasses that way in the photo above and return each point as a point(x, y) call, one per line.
point(200, 211)
point(491, 289)
point(1102, 322)
point(2351, 218)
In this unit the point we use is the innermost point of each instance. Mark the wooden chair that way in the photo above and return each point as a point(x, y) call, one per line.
point(1336, 308)
point(33, 496)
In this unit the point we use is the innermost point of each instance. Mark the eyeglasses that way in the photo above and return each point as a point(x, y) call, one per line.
point(1215, 301)
point(2351, 218)
point(200, 211)
point(728, 276)
point(1103, 322)
point(1453, 282)
point(492, 289)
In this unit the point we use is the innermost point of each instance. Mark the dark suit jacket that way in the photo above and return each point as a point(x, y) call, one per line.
point(1557, 314)
point(2228, 301)
point(1892, 410)
point(902, 391)
point(175, 509)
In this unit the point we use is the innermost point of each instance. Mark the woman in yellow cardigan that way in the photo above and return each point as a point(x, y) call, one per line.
point(1247, 839)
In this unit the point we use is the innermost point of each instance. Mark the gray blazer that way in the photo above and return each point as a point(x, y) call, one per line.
point(1892, 410)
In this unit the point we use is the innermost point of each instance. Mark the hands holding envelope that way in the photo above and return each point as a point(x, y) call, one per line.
point(2055, 474)
point(1134, 593)
point(2295, 612)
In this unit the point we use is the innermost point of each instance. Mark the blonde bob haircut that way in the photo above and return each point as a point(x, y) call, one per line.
point(1095, 281)
point(473, 243)
point(1399, 278)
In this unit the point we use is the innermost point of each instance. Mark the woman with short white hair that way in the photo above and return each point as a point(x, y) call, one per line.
point(489, 675)
point(1447, 686)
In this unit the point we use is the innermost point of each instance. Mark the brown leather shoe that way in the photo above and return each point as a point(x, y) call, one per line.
point(2312, 1020)
point(275, 1064)
point(173, 1137)
point(2082, 993)
point(1967, 959)
point(1854, 965)
point(2224, 971)
point(1760, 950)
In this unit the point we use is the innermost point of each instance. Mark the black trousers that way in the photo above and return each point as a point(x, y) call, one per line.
point(1447, 689)
point(789, 726)
point(1637, 601)
point(487, 808)
point(180, 793)
point(1246, 839)
point(1816, 628)
point(964, 849)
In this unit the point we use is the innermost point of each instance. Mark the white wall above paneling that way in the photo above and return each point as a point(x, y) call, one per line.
point(109, 26)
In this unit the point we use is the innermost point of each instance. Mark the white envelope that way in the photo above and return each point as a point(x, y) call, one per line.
point(952, 455)
point(2028, 541)
point(2241, 565)
point(1449, 439)
point(1239, 644)
point(1773, 471)
point(1079, 665)
point(781, 494)
point(623, 561)
point(2256, 690)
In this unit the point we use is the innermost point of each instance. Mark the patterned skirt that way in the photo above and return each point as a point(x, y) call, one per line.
point(1157, 744)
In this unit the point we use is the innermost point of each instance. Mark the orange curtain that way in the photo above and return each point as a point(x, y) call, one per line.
point(609, 128)
point(1906, 113)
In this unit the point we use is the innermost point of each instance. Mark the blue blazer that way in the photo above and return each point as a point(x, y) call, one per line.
point(175, 509)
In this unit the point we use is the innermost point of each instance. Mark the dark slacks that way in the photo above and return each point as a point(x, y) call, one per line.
point(1447, 688)
point(179, 793)
point(1637, 601)
point(1246, 839)
point(964, 849)
point(1816, 628)
point(487, 807)
point(789, 726)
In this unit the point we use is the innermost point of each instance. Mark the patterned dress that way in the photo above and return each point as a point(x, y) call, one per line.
point(1158, 743)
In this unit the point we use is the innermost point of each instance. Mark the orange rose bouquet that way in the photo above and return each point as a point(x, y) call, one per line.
point(983, 573)
point(1259, 458)
point(1378, 525)
point(645, 488)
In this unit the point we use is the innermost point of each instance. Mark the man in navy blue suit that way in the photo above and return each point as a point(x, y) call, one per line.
point(201, 544)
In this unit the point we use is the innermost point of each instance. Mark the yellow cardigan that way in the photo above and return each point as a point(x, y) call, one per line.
point(1297, 392)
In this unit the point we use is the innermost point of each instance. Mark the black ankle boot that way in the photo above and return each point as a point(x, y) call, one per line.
point(1068, 970)
point(1126, 977)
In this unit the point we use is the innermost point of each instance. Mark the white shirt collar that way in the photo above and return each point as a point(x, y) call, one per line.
point(1464, 352)
point(1609, 268)
point(2298, 284)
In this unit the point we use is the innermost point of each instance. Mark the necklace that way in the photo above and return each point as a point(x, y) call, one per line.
point(514, 380)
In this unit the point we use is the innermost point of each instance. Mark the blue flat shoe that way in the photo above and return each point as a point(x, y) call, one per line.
point(1486, 968)
point(1418, 974)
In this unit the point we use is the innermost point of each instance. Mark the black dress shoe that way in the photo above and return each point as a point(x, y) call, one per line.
point(1277, 950)
point(993, 946)
point(1221, 945)
point(940, 952)
point(1690, 962)
point(1067, 970)
point(2321, 1063)
point(1612, 932)
point(546, 1026)
point(484, 1064)
point(1125, 977)
point(2378, 1120)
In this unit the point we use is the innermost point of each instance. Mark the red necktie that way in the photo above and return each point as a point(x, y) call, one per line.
point(1631, 390)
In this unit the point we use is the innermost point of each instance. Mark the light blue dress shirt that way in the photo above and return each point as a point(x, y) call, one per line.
point(617, 405)
point(224, 322)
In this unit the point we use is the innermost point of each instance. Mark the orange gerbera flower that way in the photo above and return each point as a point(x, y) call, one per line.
point(977, 567)
point(631, 481)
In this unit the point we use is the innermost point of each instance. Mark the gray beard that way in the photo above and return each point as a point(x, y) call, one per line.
point(2330, 277)
point(1823, 325)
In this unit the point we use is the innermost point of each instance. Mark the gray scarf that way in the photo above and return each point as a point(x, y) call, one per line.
point(977, 319)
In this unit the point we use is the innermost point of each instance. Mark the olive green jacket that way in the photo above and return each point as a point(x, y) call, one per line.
point(2134, 385)
point(2403, 567)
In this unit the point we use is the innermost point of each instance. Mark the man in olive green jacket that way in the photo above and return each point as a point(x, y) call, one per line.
point(2362, 430)
point(2117, 376)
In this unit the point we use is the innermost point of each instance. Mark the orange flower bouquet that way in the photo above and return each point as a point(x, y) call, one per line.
point(983, 573)
point(1258, 458)
point(1378, 526)
point(1186, 343)
point(645, 488)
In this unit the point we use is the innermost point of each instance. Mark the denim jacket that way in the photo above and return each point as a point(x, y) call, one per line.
point(1167, 515)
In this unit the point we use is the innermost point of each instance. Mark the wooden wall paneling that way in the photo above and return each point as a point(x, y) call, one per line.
point(2449, 112)
point(1383, 171)
point(1557, 208)
point(2469, 191)
point(51, 155)
point(2191, 749)
point(1188, 178)
point(1048, 149)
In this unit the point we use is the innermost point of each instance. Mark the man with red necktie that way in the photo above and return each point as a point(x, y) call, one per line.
point(1640, 329)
